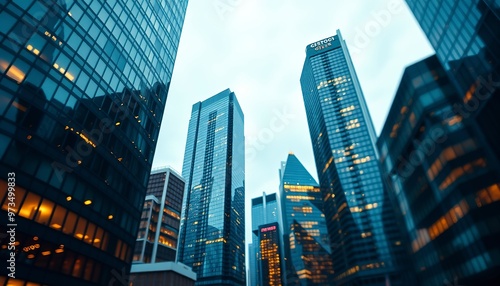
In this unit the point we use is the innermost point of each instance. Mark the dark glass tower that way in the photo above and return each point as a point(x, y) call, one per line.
point(213, 225)
point(466, 38)
point(443, 181)
point(305, 235)
point(82, 93)
point(363, 235)
point(158, 235)
point(264, 211)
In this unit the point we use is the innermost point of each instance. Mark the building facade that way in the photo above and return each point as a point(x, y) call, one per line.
point(157, 239)
point(270, 255)
point(213, 222)
point(442, 180)
point(305, 235)
point(82, 90)
point(364, 237)
point(264, 211)
point(466, 38)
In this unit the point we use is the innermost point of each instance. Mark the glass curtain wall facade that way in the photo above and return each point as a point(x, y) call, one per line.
point(443, 181)
point(158, 235)
point(264, 211)
point(83, 88)
point(213, 225)
point(364, 237)
point(466, 38)
point(305, 235)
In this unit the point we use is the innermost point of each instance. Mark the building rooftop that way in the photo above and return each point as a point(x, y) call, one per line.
point(164, 266)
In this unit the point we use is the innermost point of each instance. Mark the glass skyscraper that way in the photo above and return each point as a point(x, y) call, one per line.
point(363, 234)
point(83, 88)
point(466, 38)
point(444, 183)
point(213, 223)
point(264, 211)
point(305, 235)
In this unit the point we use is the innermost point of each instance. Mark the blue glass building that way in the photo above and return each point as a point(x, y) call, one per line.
point(83, 87)
point(264, 211)
point(364, 237)
point(213, 222)
point(305, 235)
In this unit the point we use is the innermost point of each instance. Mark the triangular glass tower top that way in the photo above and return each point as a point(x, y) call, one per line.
point(294, 173)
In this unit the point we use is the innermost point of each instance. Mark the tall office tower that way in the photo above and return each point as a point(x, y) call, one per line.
point(213, 222)
point(270, 255)
point(264, 211)
point(305, 235)
point(83, 87)
point(158, 235)
point(359, 217)
point(443, 181)
point(466, 38)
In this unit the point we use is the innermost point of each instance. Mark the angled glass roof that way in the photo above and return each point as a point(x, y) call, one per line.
point(295, 173)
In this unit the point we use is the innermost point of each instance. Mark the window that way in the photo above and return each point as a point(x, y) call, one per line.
point(58, 218)
point(89, 233)
point(88, 269)
point(69, 225)
point(30, 206)
point(44, 212)
point(78, 266)
point(80, 228)
point(67, 266)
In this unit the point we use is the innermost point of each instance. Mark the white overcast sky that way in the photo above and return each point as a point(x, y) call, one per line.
point(257, 49)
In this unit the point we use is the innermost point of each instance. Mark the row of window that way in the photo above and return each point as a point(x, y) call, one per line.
point(482, 198)
point(43, 211)
point(39, 253)
point(449, 154)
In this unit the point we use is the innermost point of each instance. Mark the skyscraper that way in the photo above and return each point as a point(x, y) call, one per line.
point(158, 235)
point(270, 255)
point(466, 38)
point(360, 220)
point(82, 90)
point(213, 224)
point(443, 181)
point(264, 211)
point(306, 242)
